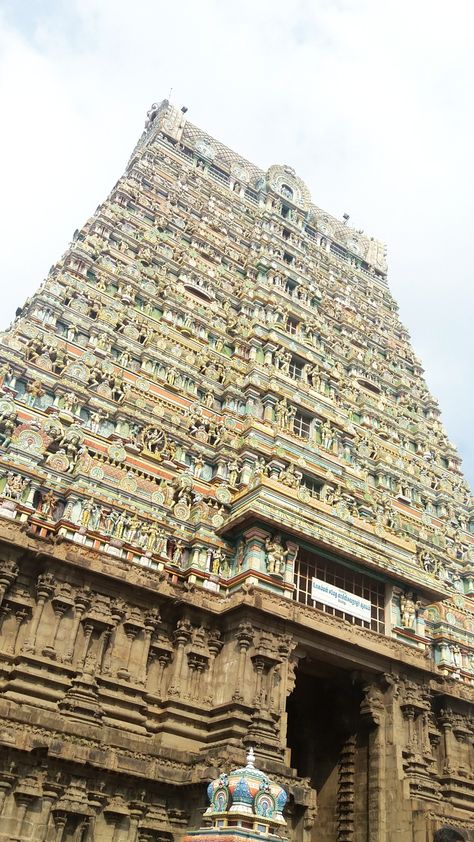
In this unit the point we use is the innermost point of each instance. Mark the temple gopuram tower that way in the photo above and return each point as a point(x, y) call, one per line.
point(230, 518)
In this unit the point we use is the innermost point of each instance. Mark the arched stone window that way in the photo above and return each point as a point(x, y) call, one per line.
point(287, 192)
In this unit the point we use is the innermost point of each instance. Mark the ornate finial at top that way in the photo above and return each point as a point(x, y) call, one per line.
point(251, 759)
point(163, 117)
point(154, 110)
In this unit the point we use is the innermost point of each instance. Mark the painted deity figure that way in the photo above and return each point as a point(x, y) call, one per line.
point(408, 609)
point(327, 435)
point(121, 525)
point(34, 391)
point(457, 656)
point(217, 561)
point(48, 504)
point(7, 425)
point(15, 486)
point(284, 414)
point(233, 472)
point(95, 421)
point(259, 470)
point(276, 555)
point(69, 402)
point(153, 439)
point(109, 520)
point(161, 543)
point(87, 511)
point(71, 445)
point(177, 553)
point(6, 374)
point(198, 466)
point(290, 477)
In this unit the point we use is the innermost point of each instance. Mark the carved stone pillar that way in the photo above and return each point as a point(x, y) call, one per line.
point(103, 641)
point(163, 657)
point(259, 665)
point(50, 795)
point(96, 803)
point(71, 502)
point(269, 408)
point(197, 664)
point(8, 574)
point(60, 820)
point(244, 635)
point(82, 829)
point(23, 803)
point(255, 346)
point(152, 620)
point(214, 644)
point(264, 728)
point(246, 472)
point(132, 629)
point(373, 715)
point(44, 590)
point(117, 612)
point(182, 636)
point(136, 813)
point(221, 470)
point(60, 607)
point(289, 576)
point(255, 556)
point(269, 350)
point(21, 613)
point(118, 811)
point(5, 611)
point(88, 631)
point(420, 622)
point(26, 792)
point(409, 714)
point(415, 703)
point(446, 722)
point(444, 653)
point(6, 783)
point(266, 658)
point(287, 675)
point(81, 602)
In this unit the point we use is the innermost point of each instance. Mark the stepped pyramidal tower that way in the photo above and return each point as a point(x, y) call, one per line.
point(230, 521)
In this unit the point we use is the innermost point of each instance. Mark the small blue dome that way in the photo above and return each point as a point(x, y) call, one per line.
point(247, 791)
point(281, 800)
point(242, 793)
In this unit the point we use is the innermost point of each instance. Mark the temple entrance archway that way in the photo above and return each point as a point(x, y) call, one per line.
point(329, 747)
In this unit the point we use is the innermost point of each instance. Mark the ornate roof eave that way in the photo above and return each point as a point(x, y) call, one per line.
point(379, 649)
point(280, 508)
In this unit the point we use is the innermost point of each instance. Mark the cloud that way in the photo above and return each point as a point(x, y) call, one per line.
point(370, 102)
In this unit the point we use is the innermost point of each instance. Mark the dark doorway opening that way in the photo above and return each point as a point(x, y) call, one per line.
point(326, 742)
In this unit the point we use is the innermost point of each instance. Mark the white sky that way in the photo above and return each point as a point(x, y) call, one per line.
point(369, 100)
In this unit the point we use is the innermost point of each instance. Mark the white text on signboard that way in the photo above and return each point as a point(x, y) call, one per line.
point(344, 601)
